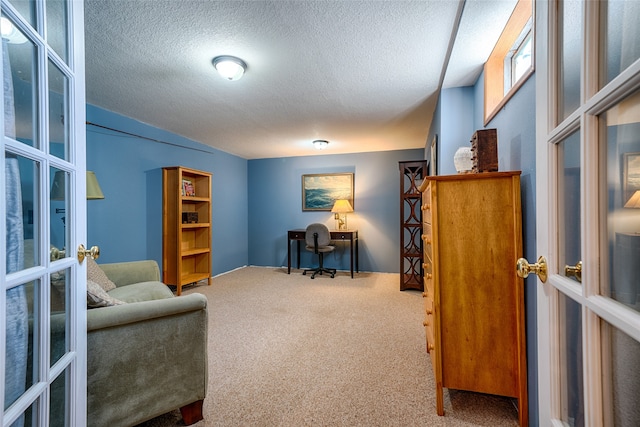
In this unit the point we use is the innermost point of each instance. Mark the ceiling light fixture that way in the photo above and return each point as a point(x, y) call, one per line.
point(229, 67)
point(320, 144)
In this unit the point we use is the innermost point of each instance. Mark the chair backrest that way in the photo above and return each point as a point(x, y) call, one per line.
point(324, 236)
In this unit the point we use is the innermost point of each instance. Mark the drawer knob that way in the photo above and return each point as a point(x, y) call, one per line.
point(426, 238)
point(430, 348)
point(424, 295)
point(429, 312)
point(428, 276)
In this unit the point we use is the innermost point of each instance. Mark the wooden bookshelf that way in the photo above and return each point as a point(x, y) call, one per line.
point(186, 226)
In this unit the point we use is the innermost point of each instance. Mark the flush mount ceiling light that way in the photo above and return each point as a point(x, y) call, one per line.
point(229, 67)
point(320, 144)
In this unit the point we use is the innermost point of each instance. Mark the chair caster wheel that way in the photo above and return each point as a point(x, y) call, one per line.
point(304, 273)
point(332, 276)
point(312, 277)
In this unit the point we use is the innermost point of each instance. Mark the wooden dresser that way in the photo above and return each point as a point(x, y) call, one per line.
point(474, 300)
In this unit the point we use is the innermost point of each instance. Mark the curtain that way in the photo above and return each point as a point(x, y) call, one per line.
point(17, 329)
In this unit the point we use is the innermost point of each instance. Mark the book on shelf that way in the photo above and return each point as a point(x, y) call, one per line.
point(187, 188)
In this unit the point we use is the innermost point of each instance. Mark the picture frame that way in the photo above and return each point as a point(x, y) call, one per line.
point(321, 190)
point(630, 175)
point(188, 189)
point(433, 156)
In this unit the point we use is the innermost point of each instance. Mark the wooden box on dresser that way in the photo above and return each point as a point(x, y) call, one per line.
point(186, 226)
point(474, 300)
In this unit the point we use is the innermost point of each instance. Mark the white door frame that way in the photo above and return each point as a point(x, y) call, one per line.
point(75, 360)
point(594, 101)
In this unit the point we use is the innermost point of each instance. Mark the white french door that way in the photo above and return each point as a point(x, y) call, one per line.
point(588, 221)
point(43, 287)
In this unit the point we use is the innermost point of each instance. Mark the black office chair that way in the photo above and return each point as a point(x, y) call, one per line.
point(317, 238)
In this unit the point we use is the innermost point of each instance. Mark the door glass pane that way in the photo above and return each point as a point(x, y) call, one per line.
point(30, 416)
point(58, 112)
point(569, 201)
point(620, 20)
point(21, 340)
point(621, 377)
point(621, 128)
point(26, 8)
point(58, 409)
point(59, 208)
point(571, 384)
point(57, 27)
point(21, 197)
point(20, 88)
point(569, 56)
point(59, 289)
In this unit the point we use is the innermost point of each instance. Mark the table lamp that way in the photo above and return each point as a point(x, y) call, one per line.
point(340, 209)
point(58, 193)
point(634, 201)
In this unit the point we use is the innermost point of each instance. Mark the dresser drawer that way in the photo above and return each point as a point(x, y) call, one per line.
point(426, 205)
point(427, 275)
point(427, 241)
point(428, 326)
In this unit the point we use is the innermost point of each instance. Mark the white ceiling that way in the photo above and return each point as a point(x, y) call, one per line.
point(363, 75)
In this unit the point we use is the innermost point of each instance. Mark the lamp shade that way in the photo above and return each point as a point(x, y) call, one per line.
point(94, 192)
point(342, 206)
point(634, 201)
point(57, 188)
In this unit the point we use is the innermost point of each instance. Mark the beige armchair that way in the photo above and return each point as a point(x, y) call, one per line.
point(146, 357)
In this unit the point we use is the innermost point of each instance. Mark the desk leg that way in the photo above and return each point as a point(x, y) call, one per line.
point(298, 243)
point(351, 252)
point(288, 256)
point(357, 257)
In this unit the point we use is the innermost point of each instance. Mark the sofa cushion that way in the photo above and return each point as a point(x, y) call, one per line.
point(95, 274)
point(98, 297)
point(143, 291)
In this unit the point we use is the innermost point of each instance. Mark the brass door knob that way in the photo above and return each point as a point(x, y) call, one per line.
point(575, 271)
point(540, 268)
point(94, 252)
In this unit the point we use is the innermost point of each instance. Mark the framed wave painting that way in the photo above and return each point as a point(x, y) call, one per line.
point(321, 190)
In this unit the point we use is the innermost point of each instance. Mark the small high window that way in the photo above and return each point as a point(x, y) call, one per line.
point(511, 61)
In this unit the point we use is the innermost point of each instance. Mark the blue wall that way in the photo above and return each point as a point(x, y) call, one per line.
point(457, 125)
point(127, 224)
point(275, 203)
point(254, 202)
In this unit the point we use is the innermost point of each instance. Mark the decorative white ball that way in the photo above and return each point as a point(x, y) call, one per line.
point(462, 159)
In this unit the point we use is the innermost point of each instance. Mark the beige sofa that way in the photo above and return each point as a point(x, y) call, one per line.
point(146, 357)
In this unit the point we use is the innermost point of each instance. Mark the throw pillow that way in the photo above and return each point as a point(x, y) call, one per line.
point(98, 297)
point(95, 274)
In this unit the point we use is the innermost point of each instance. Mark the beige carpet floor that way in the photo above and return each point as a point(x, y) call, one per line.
point(285, 350)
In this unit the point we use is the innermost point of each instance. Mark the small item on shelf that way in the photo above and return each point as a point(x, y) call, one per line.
point(484, 145)
point(187, 188)
point(189, 217)
point(462, 160)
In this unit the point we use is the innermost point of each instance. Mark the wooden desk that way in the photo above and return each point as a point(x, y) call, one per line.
point(350, 236)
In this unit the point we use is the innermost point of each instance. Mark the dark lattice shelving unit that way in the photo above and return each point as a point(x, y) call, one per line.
point(411, 176)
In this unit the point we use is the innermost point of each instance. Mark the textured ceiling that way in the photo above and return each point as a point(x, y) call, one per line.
point(363, 75)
